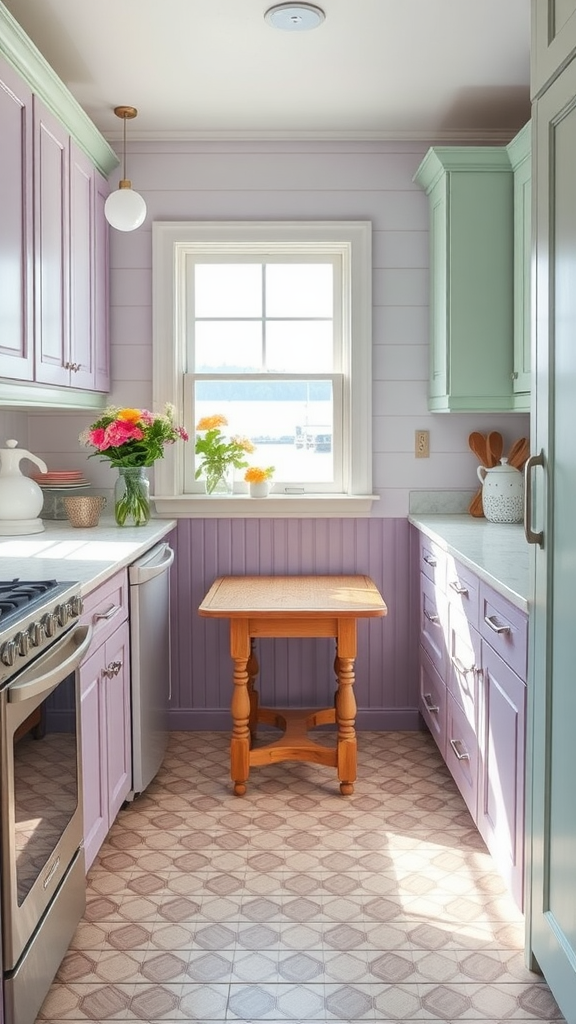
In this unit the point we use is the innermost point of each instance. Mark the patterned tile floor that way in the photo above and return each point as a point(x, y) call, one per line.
point(295, 903)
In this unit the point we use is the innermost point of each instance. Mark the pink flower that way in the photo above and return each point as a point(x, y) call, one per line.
point(183, 434)
point(147, 417)
point(119, 432)
point(97, 437)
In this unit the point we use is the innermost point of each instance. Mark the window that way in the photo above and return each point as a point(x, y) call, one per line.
point(268, 324)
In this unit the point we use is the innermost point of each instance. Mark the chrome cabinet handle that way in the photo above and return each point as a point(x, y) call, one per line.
point(430, 560)
point(430, 706)
point(460, 667)
point(434, 619)
point(489, 620)
point(107, 615)
point(458, 587)
point(532, 536)
point(112, 669)
point(462, 756)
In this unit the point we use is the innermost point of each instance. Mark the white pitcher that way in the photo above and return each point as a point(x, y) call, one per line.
point(20, 497)
point(502, 493)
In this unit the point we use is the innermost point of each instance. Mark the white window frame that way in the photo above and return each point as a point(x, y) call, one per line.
point(172, 241)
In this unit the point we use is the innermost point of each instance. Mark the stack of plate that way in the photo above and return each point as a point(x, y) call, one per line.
point(62, 480)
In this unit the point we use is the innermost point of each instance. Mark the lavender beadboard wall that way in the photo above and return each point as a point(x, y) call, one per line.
point(294, 180)
point(294, 673)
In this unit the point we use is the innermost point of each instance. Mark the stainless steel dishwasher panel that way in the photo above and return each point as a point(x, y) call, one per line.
point(149, 580)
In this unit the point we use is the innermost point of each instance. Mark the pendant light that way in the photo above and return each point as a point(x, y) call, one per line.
point(125, 209)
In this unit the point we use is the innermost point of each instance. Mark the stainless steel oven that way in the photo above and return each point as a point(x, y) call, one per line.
point(42, 864)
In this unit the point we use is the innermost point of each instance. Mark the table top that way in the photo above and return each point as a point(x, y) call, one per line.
point(345, 597)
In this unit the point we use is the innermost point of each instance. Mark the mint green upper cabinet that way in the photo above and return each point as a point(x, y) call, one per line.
point(519, 151)
point(471, 194)
point(553, 40)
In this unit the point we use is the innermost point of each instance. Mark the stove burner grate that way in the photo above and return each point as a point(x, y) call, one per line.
point(16, 594)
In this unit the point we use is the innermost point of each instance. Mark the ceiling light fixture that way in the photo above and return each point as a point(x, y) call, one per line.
point(125, 209)
point(295, 17)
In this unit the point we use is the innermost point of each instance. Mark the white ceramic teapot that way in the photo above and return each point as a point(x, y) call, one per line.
point(502, 493)
point(20, 497)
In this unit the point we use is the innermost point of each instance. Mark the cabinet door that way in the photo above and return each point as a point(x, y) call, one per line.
point(101, 287)
point(462, 753)
point(501, 785)
point(433, 701)
point(519, 151)
point(116, 685)
point(51, 232)
point(551, 689)
point(553, 39)
point(81, 355)
point(16, 239)
point(94, 774)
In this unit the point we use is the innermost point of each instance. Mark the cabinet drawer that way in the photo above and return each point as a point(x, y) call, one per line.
point(432, 561)
point(433, 701)
point(462, 753)
point(505, 628)
point(464, 662)
point(106, 607)
point(433, 624)
point(462, 590)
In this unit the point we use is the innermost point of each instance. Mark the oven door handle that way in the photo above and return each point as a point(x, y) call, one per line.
point(58, 662)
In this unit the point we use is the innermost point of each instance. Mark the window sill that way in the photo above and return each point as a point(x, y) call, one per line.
point(275, 506)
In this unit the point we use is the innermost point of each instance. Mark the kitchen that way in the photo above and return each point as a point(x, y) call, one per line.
point(285, 179)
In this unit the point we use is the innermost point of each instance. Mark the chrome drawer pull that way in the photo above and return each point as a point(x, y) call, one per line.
point(432, 708)
point(107, 615)
point(461, 757)
point(458, 587)
point(489, 620)
point(434, 619)
point(460, 667)
point(430, 560)
point(112, 669)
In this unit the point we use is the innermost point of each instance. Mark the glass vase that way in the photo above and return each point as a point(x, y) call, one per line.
point(132, 496)
point(219, 480)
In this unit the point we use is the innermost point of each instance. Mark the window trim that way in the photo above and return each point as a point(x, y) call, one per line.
point(171, 241)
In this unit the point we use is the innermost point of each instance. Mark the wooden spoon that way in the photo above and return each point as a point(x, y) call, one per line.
point(477, 444)
point(494, 448)
point(475, 507)
point(519, 453)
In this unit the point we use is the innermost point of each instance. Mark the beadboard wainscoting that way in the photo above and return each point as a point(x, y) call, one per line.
point(294, 673)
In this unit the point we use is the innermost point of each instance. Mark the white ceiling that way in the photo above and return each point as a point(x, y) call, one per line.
point(422, 69)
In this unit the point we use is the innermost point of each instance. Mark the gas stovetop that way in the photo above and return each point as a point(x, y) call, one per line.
point(33, 613)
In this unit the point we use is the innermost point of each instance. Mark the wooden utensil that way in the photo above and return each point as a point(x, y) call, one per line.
point(478, 443)
point(494, 446)
point(519, 452)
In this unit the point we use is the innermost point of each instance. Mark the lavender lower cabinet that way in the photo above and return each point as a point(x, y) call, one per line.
point(106, 737)
point(462, 754)
point(433, 701)
point(501, 783)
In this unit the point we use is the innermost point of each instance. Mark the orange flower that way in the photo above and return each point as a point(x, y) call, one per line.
point(257, 475)
point(244, 443)
point(129, 415)
point(211, 422)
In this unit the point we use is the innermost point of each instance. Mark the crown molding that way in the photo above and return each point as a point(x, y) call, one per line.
point(495, 137)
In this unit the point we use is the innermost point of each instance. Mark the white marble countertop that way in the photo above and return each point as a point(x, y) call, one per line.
point(497, 552)
point(89, 556)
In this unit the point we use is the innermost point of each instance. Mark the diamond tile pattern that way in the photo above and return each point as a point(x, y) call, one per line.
point(296, 903)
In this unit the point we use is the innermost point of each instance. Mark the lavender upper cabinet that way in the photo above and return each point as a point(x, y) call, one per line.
point(16, 327)
point(101, 293)
point(553, 40)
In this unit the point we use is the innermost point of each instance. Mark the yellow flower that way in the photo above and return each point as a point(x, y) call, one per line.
point(129, 415)
point(244, 443)
point(211, 422)
point(257, 475)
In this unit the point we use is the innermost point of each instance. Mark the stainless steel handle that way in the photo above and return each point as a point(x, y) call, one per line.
point(458, 587)
point(461, 667)
point(98, 616)
point(430, 560)
point(112, 669)
point(434, 619)
point(432, 708)
point(465, 756)
point(489, 620)
point(532, 536)
point(59, 661)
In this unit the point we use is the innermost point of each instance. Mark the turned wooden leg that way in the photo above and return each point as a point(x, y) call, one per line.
point(253, 668)
point(240, 707)
point(346, 709)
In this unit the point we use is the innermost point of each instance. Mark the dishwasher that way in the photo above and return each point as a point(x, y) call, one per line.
point(149, 581)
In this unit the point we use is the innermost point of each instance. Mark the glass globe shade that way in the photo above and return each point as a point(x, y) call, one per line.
point(125, 209)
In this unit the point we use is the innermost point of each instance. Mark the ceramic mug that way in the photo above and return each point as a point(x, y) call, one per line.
point(84, 510)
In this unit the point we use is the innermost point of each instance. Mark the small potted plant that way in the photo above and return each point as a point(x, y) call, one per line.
point(259, 480)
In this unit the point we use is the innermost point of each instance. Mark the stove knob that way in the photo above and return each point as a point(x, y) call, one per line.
point(62, 612)
point(8, 652)
point(76, 605)
point(37, 633)
point(48, 621)
point(22, 642)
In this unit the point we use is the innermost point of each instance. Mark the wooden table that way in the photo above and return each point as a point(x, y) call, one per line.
point(292, 606)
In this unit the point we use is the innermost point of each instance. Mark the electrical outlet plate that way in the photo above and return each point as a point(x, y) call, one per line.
point(422, 444)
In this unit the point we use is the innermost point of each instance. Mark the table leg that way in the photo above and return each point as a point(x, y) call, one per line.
point(240, 706)
point(253, 668)
point(346, 748)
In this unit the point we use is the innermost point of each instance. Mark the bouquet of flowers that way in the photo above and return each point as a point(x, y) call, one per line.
point(218, 453)
point(257, 475)
point(132, 439)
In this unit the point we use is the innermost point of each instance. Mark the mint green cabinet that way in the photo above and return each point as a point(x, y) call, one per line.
point(471, 195)
point(553, 40)
point(519, 152)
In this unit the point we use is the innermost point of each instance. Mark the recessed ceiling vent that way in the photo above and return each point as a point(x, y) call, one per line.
point(295, 17)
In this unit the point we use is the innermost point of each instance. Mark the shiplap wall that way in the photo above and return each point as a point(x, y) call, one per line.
point(282, 180)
